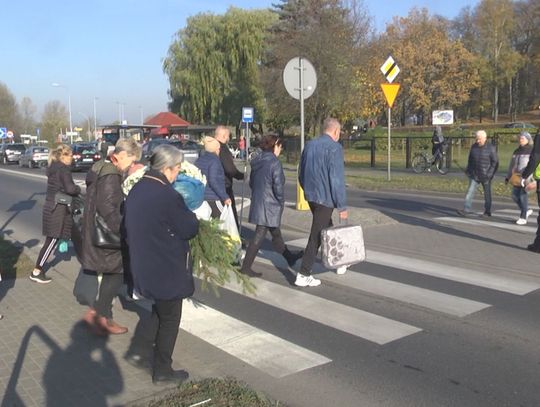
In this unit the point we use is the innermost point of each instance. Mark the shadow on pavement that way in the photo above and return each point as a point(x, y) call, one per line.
point(84, 373)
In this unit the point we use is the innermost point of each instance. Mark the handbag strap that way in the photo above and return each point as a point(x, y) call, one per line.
point(154, 178)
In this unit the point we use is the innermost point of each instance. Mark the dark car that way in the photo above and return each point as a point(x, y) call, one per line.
point(34, 156)
point(84, 156)
point(10, 152)
point(519, 125)
point(190, 148)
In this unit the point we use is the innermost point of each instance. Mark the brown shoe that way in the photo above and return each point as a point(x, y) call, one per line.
point(90, 316)
point(110, 326)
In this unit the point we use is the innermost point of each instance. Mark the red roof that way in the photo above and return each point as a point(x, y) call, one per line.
point(167, 119)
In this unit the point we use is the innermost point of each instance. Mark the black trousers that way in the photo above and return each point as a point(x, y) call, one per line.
point(536, 242)
point(216, 212)
point(256, 242)
point(322, 219)
point(230, 192)
point(109, 288)
point(45, 252)
point(166, 316)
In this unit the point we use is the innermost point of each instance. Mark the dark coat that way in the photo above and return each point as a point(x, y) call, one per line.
point(104, 195)
point(57, 220)
point(267, 199)
point(158, 228)
point(211, 167)
point(483, 162)
point(230, 169)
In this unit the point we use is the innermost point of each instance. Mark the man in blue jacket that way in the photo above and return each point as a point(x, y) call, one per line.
point(322, 177)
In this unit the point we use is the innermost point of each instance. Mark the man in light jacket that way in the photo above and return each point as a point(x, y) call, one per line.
point(322, 177)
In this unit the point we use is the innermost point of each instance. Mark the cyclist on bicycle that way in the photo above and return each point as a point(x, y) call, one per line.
point(438, 142)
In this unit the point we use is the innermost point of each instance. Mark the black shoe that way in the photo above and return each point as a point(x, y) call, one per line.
point(138, 361)
point(251, 273)
point(533, 248)
point(173, 377)
point(40, 278)
point(486, 215)
point(292, 257)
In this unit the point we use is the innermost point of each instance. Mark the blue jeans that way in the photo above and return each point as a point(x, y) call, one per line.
point(473, 186)
point(519, 195)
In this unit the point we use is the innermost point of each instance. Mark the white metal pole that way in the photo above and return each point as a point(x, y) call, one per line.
point(69, 107)
point(301, 105)
point(95, 119)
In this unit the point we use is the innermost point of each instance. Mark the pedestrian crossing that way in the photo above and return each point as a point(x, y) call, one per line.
point(280, 357)
point(501, 219)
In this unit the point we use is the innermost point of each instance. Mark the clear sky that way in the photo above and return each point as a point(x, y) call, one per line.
point(112, 50)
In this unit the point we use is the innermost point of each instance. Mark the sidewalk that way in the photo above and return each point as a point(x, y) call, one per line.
point(48, 357)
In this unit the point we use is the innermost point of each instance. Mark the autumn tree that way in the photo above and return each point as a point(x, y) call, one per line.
point(54, 119)
point(436, 72)
point(9, 116)
point(27, 111)
point(213, 66)
point(328, 33)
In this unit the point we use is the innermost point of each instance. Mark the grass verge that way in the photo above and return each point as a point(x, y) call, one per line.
point(215, 393)
point(13, 262)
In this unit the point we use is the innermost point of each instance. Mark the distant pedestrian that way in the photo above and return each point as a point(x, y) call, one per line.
point(267, 201)
point(437, 141)
point(322, 176)
point(158, 227)
point(57, 219)
point(531, 169)
point(242, 147)
point(518, 163)
point(222, 134)
point(214, 193)
point(482, 165)
point(104, 197)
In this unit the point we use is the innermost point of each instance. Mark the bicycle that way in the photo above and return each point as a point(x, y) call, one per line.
point(423, 161)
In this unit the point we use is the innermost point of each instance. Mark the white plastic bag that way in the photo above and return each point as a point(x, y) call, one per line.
point(204, 211)
point(228, 224)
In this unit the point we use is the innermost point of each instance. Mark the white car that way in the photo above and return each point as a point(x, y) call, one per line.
point(34, 156)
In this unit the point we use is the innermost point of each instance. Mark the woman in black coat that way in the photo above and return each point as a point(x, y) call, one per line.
point(158, 228)
point(57, 220)
point(267, 200)
point(104, 196)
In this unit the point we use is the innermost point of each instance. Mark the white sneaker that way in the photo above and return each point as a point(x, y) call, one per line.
point(306, 281)
point(341, 270)
point(529, 213)
point(521, 221)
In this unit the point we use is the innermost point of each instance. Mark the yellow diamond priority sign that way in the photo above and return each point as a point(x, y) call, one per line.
point(390, 91)
point(390, 69)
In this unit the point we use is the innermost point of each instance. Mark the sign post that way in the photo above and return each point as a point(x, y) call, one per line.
point(248, 114)
point(3, 133)
point(300, 80)
point(390, 70)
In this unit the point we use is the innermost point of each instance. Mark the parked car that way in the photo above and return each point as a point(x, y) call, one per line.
point(84, 156)
point(10, 152)
point(519, 125)
point(34, 156)
point(190, 148)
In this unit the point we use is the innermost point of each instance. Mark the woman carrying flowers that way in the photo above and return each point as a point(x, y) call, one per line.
point(211, 167)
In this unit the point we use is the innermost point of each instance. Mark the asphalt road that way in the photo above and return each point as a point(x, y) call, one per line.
point(467, 344)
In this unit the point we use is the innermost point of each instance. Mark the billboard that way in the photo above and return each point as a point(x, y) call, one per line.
point(439, 117)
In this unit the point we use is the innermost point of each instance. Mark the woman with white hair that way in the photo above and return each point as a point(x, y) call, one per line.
point(158, 229)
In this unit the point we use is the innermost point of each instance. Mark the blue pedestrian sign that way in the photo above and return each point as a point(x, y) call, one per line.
point(3, 132)
point(247, 114)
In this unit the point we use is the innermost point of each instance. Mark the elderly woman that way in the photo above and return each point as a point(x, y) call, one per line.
point(267, 200)
point(57, 220)
point(210, 165)
point(104, 200)
point(158, 228)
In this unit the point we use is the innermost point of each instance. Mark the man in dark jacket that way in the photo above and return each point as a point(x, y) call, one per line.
point(530, 169)
point(322, 176)
point(482, 165)
point(222, 134)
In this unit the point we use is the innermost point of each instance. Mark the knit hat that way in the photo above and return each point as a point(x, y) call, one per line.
point(527, 136)
point(211, 145)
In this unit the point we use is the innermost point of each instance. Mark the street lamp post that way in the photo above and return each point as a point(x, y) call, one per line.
point(95, 118)
point(57, 85)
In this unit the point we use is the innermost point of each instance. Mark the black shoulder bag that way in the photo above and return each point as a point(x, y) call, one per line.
point(102, 236)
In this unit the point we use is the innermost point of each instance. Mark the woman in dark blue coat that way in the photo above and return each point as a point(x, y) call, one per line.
point(267, 200)
point(158, 228)
point(210, 165)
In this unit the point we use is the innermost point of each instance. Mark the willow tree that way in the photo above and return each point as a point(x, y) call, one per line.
point(436, 72)
point(213, 66)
